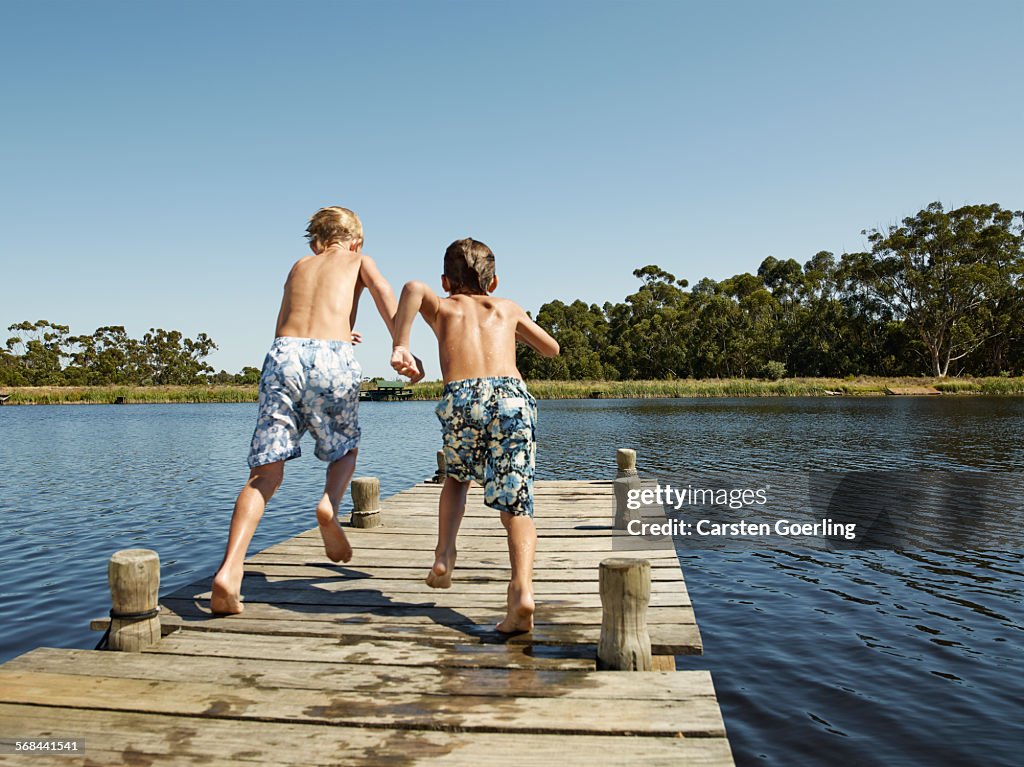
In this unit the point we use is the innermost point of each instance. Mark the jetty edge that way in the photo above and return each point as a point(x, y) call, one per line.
point(364, 664)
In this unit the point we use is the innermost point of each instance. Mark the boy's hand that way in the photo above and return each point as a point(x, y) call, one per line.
point(357, 337)
point(406, 364)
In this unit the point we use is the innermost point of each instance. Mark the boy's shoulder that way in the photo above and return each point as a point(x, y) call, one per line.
point(505, 305)
point(300, 263)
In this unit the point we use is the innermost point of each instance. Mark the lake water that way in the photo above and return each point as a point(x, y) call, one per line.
point(908, 657)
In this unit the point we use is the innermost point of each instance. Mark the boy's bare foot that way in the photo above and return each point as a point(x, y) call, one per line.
point(519, 617)
point(335, 541)
point(440, 575)
point(225, 597)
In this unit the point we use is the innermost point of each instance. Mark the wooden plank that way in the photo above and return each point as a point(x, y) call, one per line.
point(665, 574)
point(135, 738)
point(696, 716)
point(552, 529)
point(276, 673)
point(415, 587)
point(480, 618)
point(664, 662)
point(332, 646)
point(333, 595)
point(409, 542)
point(672, 630)
point(348, 648)
point(385, 558)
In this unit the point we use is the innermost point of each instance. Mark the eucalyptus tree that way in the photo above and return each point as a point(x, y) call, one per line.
point(941, 272)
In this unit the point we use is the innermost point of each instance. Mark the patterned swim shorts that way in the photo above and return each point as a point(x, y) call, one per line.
point(307, 384)
point(489, 426)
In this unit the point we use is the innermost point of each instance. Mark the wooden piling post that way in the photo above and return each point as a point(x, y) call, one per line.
point(621, 488)
point(134, 576)
point(442, 467)
point(365, 502)
point(625, 460)
point(625, 644)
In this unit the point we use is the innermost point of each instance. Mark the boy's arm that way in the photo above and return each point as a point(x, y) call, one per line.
point(416, 297)
point(536, 337)
point(380, 289)
point(356, 336)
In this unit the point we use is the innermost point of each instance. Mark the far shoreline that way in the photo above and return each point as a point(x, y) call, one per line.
point(861, 386)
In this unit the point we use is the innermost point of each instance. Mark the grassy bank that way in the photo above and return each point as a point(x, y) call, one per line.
point(726, 387)
point(746, 387)
point(133, 395)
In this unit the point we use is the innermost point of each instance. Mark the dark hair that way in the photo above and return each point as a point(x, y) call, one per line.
point(469, 266)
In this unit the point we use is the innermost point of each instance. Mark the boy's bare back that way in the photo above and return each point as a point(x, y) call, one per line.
point(322, 293)
point(476, 336)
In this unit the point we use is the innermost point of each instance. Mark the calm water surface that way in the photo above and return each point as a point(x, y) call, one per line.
point(819, 658)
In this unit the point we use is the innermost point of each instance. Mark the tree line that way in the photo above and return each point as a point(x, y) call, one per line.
point(940, 294)
point(44, 353)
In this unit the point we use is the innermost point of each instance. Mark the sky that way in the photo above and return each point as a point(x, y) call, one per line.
point(159, 161)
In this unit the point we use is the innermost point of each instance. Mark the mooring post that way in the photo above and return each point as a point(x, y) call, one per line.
point(621, 488)
point(442, 468)
point(365, 502)
point(625, 644)
point(134, 576)
point(626, 479)
point(625, 459)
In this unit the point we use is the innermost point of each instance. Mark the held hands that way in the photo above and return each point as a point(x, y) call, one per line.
point(406, 364)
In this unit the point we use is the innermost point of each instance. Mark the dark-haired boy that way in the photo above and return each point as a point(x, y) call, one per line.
point(488, 418)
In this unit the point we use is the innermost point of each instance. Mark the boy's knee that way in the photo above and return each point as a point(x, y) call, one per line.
point(457, 485)
point(267, 478)
point(522, 521)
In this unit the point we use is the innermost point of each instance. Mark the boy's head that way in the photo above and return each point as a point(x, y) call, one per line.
point(469, 268)
point(334, 225)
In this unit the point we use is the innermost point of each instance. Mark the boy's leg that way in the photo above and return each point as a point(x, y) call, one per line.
point(227, 583)
point(449, 516)
point(522, 545)
point(339, 474)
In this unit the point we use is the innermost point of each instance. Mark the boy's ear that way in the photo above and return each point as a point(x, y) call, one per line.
point(356, 245)
point(445, 285)
point(494, 284)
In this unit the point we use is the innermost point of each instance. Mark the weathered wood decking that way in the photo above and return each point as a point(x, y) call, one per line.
point(364, 664)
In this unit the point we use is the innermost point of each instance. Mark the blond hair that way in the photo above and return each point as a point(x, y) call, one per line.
point(331, 225)
point(469, 266)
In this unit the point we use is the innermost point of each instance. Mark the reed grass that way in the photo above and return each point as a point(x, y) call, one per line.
point(747, 387)
point(133, 395)
point(431, 390)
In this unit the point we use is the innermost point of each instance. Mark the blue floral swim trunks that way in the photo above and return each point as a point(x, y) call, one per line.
point(489, 430)
point(307, 384)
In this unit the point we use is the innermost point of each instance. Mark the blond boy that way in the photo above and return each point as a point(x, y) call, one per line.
point(310, 382)
point(488, 418)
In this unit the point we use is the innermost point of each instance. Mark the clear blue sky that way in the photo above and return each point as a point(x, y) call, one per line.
point(159, 160)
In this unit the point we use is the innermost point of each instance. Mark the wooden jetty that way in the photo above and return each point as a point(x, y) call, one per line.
point(364, 664)
point(385, 391)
